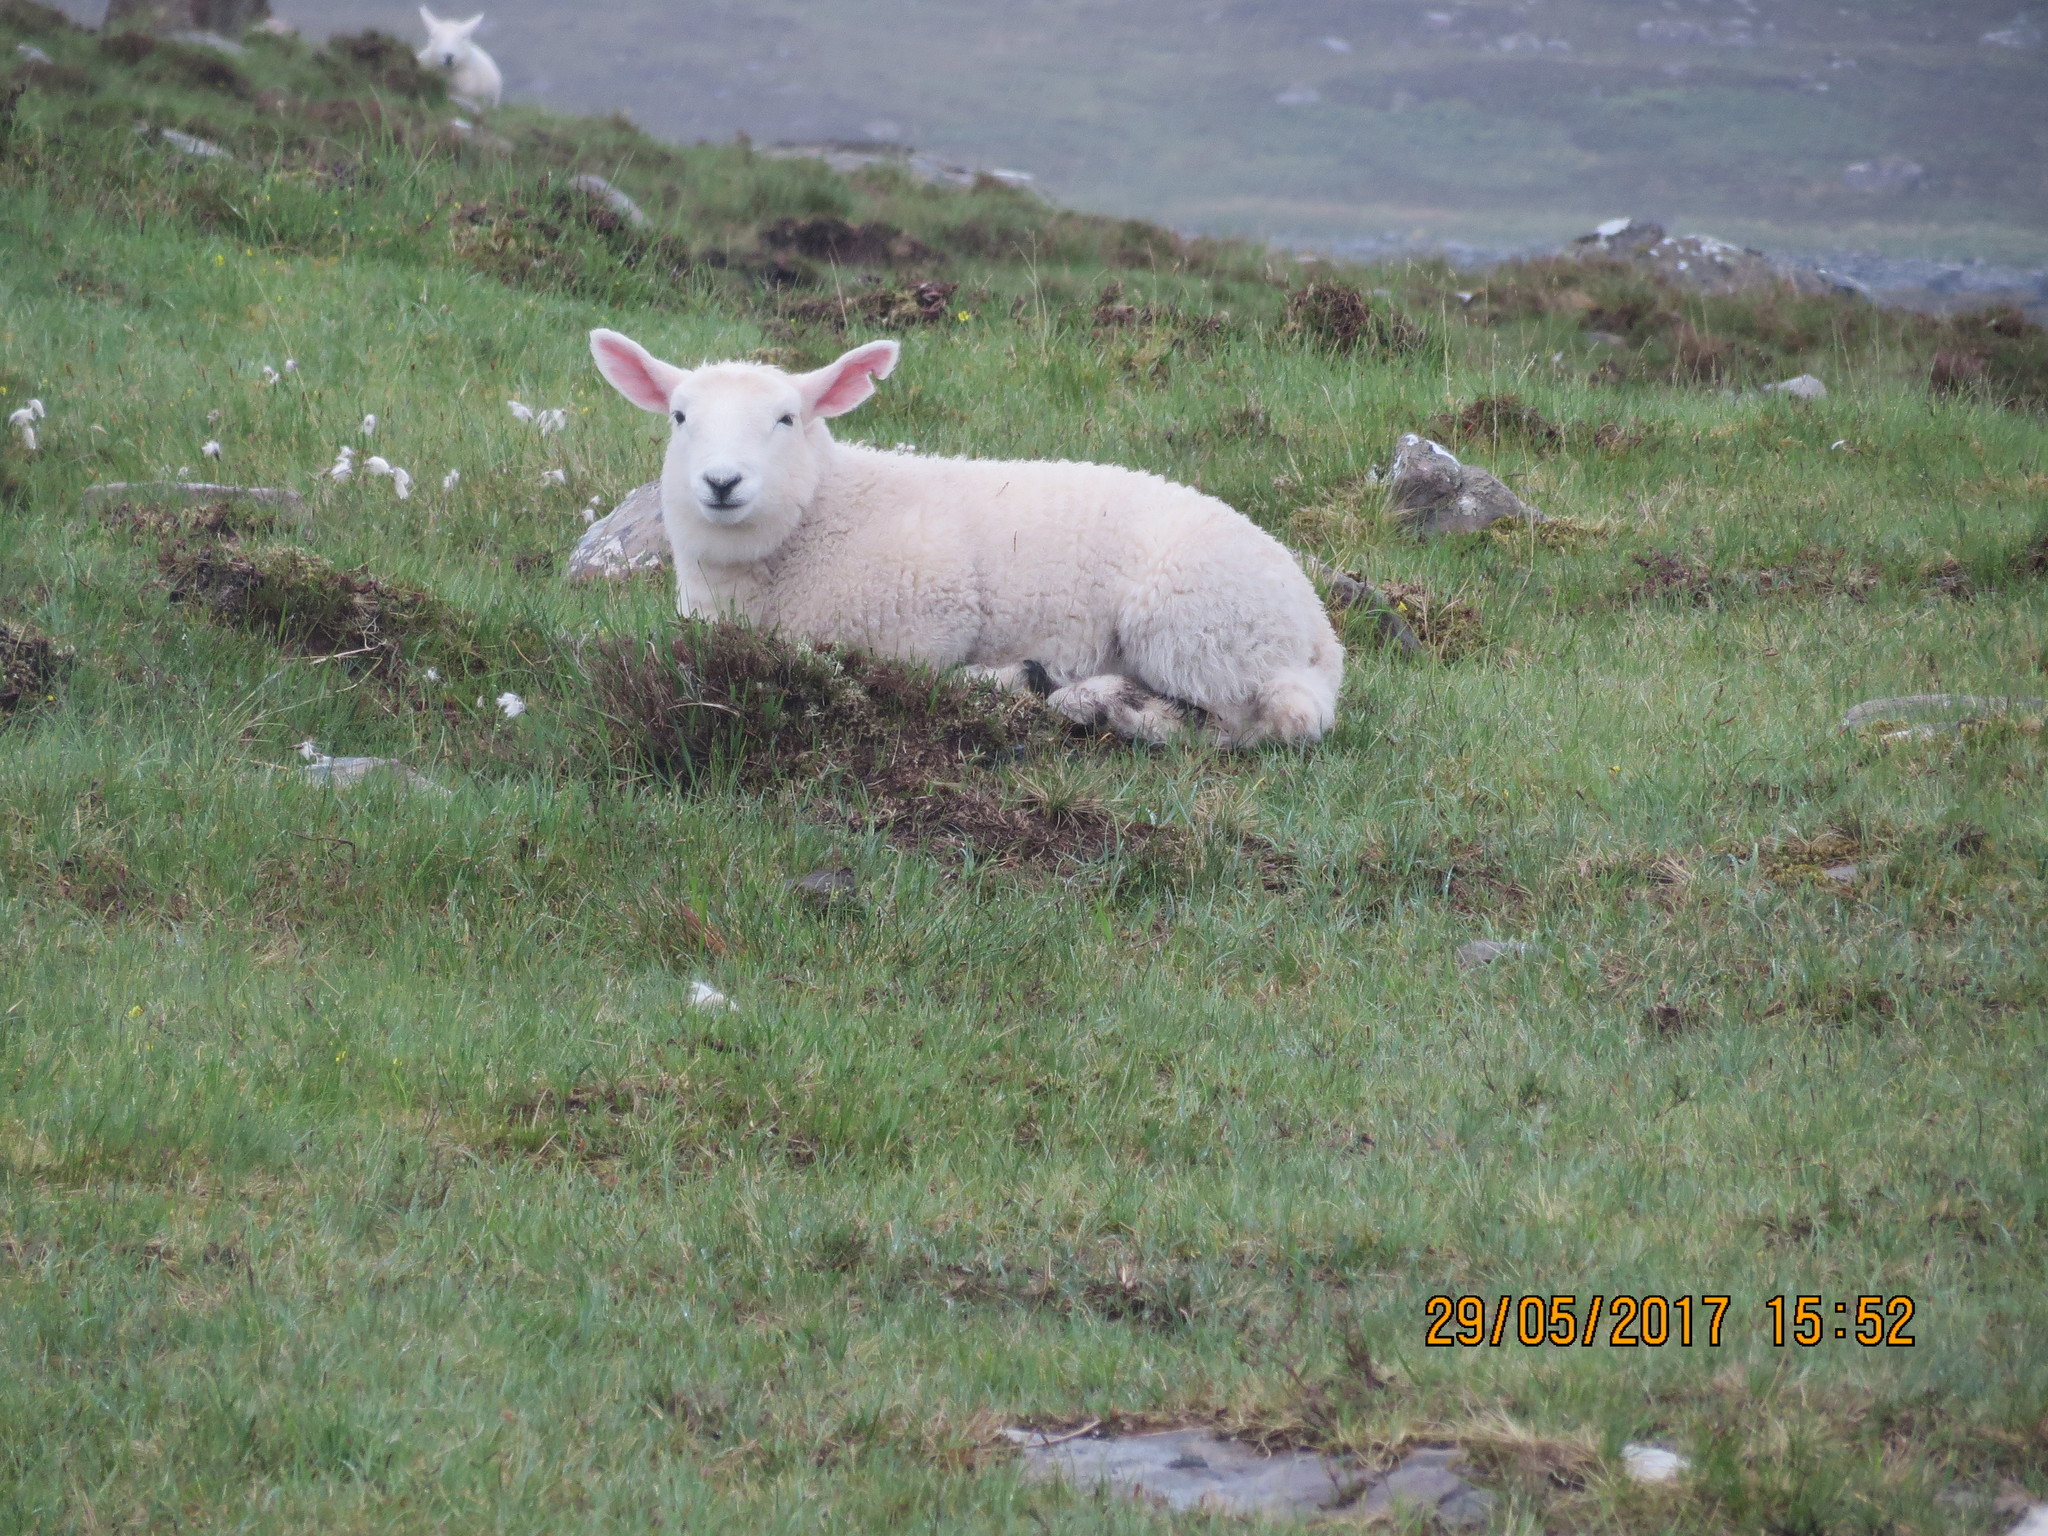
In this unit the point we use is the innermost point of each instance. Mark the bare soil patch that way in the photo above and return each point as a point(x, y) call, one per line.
point(907, 750)
point(30, 663)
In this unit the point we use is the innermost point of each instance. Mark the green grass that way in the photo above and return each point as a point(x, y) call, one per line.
point(364, 1166)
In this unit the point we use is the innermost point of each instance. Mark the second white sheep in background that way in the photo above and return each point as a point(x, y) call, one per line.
point(473, 78)
point(1123, 597)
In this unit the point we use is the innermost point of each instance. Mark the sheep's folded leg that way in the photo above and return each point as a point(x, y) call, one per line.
point(1124, 706)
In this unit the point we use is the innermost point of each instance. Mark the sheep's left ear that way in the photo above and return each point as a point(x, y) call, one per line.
point(837, 388)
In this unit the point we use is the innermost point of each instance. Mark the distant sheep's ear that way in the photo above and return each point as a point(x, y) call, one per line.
point(838, 387)
point(468, 28)
point(433, 22)
point(633, 371)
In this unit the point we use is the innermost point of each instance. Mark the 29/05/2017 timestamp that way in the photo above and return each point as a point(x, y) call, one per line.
point(1651, 1321)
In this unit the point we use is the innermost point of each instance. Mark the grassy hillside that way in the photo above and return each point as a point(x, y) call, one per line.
point(1505, 123)
point(367, 1167)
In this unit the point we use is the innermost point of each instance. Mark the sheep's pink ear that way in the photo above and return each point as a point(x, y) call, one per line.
point(837, 388)
point(633, 371)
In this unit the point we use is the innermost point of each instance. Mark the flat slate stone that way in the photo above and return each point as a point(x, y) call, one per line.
point(1653, 1464)
point(628, 539)
point(1946, 708)
point(1197, 1469)
point(1485, 951)
point(1433, 493)
point(612, 198)
point(348, 772)
point(186, 493)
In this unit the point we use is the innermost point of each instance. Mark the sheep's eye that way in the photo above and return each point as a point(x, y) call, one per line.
point(785, 421)
point(679, 418)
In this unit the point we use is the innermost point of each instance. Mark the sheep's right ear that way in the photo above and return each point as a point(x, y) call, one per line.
point(635, 372)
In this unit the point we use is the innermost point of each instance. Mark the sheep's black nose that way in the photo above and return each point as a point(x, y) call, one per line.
point(721, 490)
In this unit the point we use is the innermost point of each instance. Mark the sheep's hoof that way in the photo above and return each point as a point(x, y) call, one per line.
point(1121, 705)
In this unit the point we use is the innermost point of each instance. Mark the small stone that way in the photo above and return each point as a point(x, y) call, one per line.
point(628, 539)
point(158, 493)
point(1653, 1464)
point(827, 887)
point(1197, 1469)
point(1485, 951)
point(1947, 710)
point(1432, 493)
point(187, 144)
point(1804, 387)
point(705, 995)
point(1844, 874)
point(348, 772)
point(31, 54)
point(612, 198)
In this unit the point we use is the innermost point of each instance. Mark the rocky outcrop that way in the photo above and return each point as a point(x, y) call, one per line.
point(1432, 493)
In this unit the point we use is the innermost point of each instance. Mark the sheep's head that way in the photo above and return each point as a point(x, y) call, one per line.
point(744, 439)
point(448, 42)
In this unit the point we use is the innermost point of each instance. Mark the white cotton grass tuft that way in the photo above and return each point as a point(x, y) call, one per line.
point(401, 482)
point(291, 365)
point(555, 477)
point(547, 422)
point(344, 464)
point(270, 374)
point(452, 479)
point(433, 674)
point(24, 422)
point(705, 995)
point(511, 705)
point(309, 749)
point(211, 448)
point(369, 426)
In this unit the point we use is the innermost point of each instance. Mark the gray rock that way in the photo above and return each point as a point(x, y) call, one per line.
point(1197, 1469)
point(629, 538)
point(1948, 709)
point(197, 148)
point(1432, 493)
point(31, 54)
point(348, 772)
point(211, 40)
point(1485, 951)
point(1425, 1484)
point(186, 493)
point(827, 887)
point(612, 198)
point(849, 155)
point(1653, 1464)
point(1341, 589)
point(1804, 387)
point(1842, 874)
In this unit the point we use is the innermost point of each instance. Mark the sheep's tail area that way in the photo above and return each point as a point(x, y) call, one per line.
point(1298, 704)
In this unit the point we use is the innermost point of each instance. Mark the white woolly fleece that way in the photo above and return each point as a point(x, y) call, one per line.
point(1095, 572)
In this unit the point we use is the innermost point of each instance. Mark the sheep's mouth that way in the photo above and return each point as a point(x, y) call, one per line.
point(725, 512)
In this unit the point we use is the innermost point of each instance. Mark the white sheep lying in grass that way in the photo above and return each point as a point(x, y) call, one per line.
point(1123, 597)
point(473, 77)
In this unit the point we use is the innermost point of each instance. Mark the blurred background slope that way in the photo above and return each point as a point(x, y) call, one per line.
point(1800, 125)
